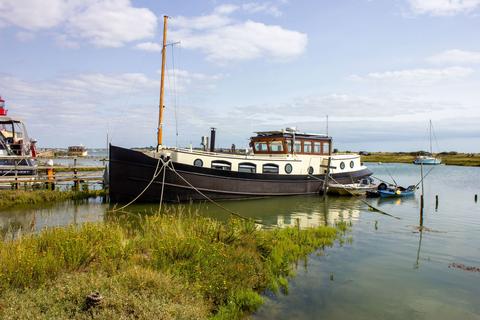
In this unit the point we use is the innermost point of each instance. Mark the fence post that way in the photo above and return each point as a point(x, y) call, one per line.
point(50, 175)
point(16, 175)
point(75, 180)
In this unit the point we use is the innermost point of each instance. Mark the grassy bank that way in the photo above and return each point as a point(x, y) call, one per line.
point(458, 159)
point(158, 267)
point(10, 198)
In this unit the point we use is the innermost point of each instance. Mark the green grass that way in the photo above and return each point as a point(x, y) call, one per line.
point(10, 198)
point(171, 266)
point(460, 159)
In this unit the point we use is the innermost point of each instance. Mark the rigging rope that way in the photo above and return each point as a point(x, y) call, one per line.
point(175, 97)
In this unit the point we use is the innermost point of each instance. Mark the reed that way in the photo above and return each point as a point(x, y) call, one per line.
point(10, 198)
point(174, 265)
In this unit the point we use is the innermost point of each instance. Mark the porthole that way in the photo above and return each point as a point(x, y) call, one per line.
point(198, 163)
point(288, 168)
point(352, 164)
point(310, 170)
point(342, 165)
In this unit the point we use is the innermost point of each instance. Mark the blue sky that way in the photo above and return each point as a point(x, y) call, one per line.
point(75, 70)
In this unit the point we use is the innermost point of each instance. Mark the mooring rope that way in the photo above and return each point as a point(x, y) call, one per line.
point(156, 173)
point(424, 176)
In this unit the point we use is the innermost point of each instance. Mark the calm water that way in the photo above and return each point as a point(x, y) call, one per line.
point(389, 271)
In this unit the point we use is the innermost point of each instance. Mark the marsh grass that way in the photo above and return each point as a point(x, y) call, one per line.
point(9, 198)
point(174, 265)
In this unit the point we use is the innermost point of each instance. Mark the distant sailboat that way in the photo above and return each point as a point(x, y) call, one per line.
point(430, 159)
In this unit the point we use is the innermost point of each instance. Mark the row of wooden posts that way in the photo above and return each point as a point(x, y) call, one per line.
point(49, 177)
point(436, 199)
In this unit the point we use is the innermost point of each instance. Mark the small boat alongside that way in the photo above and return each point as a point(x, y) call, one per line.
point(17, 150)
point(352, 189)
point(392, 191)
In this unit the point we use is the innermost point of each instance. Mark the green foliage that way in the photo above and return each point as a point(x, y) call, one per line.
point(10, 198)
point(219, 268)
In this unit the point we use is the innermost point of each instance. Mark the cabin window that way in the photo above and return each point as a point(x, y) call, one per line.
point(298, 146)
point(352, 164)
point(276, 146)
point(310, 170)
point(221, 165)
point(198, 163)
point(317, 147)
point(288, 168)
point(307, 146)
point(289, 146)
point(261, 146)
point(342, 165)
point(247, 167)
point(270, 168)
point(326, 148)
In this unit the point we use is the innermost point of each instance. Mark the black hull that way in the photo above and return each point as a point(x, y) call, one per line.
point(131, 171)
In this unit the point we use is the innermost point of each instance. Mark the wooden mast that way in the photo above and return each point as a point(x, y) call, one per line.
point(162, 84)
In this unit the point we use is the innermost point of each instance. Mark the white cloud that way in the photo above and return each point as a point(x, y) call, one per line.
point(24, 36)
point(64, 41)
point(225, 9)
point(443, 7)
point(268, 8)
point(223, 39)
point(455, 56)
point(33, 14)
point(112, 23)
point(417, 76)
point(149, 46)
point(186, 80)
point(87, 102)
point(105, 23)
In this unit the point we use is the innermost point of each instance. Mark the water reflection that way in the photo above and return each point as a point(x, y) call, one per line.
point(25, 219)
point(373, 276)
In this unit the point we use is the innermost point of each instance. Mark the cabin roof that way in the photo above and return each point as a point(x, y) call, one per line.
point(6, 119)
point(289, 134)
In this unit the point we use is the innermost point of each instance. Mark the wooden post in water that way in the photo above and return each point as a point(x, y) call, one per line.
point(476, 197)
point(325, 180)
point(436, 202)
point(421, 196)
point(75, 172)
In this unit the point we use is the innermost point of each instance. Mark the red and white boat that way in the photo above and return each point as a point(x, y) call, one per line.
point(17, 150)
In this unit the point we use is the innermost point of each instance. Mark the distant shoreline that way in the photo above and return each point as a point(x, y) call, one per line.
point(451, 158)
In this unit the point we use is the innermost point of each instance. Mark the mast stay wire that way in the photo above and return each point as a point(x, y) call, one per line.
point(175, 97)
point(436, 140)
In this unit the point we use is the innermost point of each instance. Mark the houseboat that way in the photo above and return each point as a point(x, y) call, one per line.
point(279, 163)
point(17, 151)
point(77, 151)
